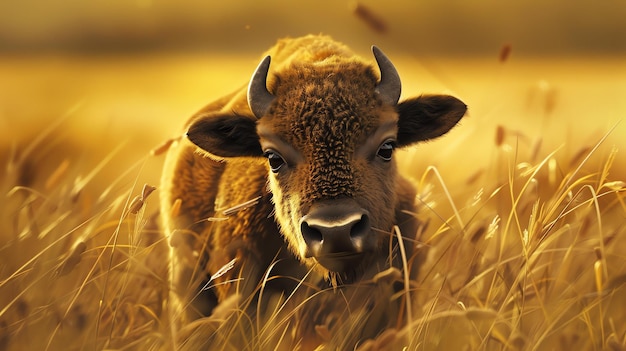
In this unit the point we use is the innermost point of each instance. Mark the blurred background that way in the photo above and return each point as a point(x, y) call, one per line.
point(438, 28)
point(128, 73)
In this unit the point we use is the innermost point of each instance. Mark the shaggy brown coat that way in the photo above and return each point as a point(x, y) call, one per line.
point(330, 122)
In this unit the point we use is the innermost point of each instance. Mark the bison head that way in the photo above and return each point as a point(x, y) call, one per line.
point(328, 130)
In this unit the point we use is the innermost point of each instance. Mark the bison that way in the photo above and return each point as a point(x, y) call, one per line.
point(295, 176)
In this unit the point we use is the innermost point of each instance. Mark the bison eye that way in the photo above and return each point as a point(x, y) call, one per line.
point(386, 150)
point(276, 161)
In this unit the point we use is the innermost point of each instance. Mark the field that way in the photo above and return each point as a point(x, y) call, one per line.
point(523, 204)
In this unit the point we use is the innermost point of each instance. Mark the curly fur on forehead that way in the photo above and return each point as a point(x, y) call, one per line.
point(321, 103)
point(326, 111)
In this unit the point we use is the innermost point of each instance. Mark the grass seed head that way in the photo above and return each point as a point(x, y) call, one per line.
point(500, 134)
point(72, 259)
point(374, 21)
point(146, 191)
point(598, 272)
point(135, 205)
point(505, 53)
point(164, 146)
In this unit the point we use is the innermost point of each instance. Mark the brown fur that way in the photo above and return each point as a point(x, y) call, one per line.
point(326, 111)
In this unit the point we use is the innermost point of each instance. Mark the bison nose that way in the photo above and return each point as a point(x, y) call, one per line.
point(341, 228)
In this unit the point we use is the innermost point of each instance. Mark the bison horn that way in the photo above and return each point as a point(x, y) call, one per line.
point(389, 87)
point(259, 98)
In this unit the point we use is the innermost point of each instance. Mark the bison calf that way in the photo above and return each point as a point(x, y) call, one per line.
point(308, 149)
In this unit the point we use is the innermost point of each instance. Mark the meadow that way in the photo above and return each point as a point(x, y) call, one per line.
point(523, 206)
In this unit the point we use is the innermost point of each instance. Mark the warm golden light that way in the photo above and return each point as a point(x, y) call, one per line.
point(523, 202)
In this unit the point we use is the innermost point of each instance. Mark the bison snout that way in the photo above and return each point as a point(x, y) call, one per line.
point(336, 231)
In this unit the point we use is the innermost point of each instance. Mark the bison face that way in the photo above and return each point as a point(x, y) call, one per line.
point(332, 176)
point(328, 132)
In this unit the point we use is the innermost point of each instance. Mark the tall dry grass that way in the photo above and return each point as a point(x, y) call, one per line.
point(83, 266)
point(532, 260)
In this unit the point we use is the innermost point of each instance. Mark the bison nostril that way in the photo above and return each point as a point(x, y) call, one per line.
point(311, 235)
point(360, 228)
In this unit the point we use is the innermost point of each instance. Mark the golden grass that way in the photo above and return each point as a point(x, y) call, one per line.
point(531, 263)
point(533, 260)
point(80, 269)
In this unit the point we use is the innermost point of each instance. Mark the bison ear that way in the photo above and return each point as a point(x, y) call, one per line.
point(427, 117)
point(226, 135)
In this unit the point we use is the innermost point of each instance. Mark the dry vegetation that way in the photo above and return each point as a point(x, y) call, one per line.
point(525, 251)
